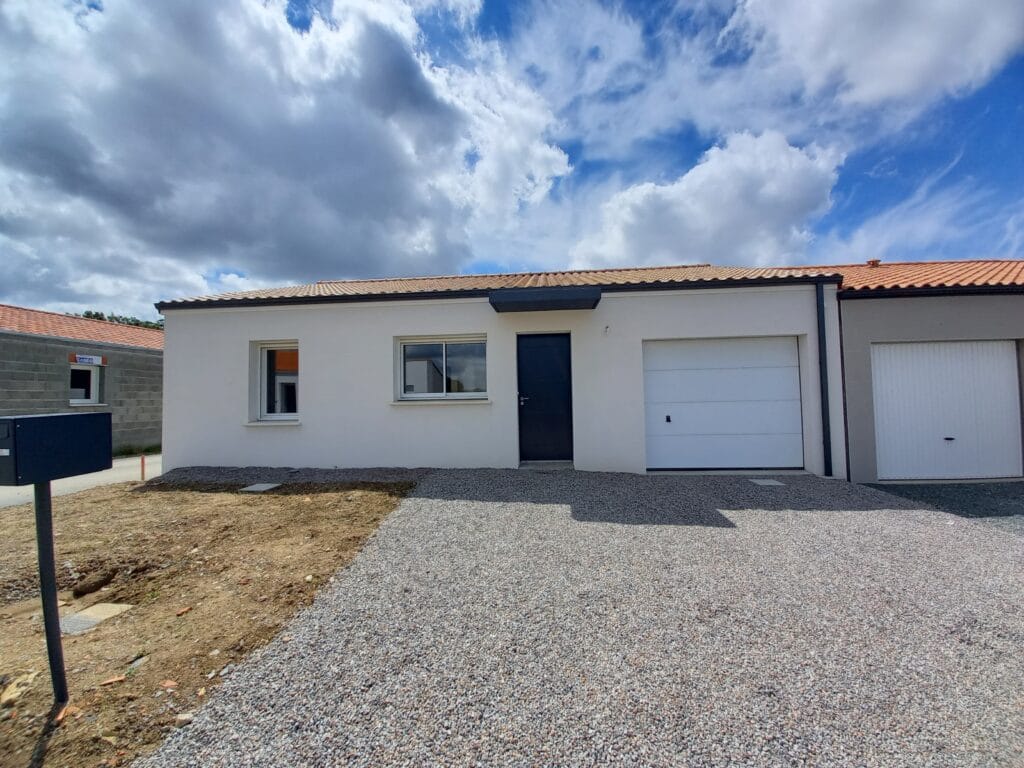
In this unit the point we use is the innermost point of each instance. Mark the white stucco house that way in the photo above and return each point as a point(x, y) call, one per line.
point(693, 367)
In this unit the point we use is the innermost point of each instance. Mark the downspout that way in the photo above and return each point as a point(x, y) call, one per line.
point(842, 379)
point(826, 425)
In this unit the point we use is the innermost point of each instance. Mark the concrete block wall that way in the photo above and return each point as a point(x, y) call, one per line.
point(34, 379)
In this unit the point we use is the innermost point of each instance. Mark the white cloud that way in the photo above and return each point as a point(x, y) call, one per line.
point(936, 221)
point(747, 202)
point(843, 72)
point(1011, 244)
point(464, 11)
point(840, 75)
point(590, 61)
point(877, 51)
point(145, 146)
point(506, 163)
point(154, 150)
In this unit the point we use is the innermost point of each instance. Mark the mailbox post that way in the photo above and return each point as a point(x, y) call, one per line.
point(48, 591)
point(35, 450)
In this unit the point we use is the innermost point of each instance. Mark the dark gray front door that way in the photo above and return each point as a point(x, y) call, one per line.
point(545, 397)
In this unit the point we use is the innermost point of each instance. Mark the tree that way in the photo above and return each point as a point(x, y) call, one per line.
point(92, 314)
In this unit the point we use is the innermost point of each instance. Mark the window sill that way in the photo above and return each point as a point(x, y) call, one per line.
point(73, 404)
point(274, 423)
point(444, 401)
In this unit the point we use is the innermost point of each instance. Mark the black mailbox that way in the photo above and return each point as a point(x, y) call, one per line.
point(37, 449)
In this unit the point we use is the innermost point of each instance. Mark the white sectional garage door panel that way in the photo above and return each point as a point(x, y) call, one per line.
point(927, 393)
point(723, 403)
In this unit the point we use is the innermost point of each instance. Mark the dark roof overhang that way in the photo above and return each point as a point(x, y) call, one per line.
point(945, 290)
point(544, 299)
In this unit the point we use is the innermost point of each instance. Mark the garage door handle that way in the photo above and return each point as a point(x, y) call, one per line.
point(949, 439)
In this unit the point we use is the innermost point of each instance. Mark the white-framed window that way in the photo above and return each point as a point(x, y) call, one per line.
point(84, 384)
point(440, 368)
point(276, 380)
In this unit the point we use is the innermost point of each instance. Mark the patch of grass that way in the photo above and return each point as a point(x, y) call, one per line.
point(126, 451)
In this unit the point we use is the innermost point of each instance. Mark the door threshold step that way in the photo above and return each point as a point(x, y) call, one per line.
point(729, 472)
point(546, 466)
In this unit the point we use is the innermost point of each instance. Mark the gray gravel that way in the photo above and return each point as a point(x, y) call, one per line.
point(522, 618)
point(998, 504)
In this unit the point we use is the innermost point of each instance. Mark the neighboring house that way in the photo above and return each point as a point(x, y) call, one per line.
point(692, 367)
point(54, 363)
point(932, 355)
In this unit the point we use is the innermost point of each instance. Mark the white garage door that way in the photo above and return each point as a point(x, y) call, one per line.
point(723, 404)
point(946, 410)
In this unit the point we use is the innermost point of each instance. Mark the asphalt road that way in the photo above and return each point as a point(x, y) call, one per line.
point(123, 471)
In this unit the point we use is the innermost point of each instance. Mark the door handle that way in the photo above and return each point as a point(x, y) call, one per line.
point(949, 439)
point(523, 399)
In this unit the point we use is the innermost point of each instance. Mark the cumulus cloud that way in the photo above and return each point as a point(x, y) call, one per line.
point(872, 52)
point(148, 150)
point(839, 75)
point(506, 166)
point(748, 201)
point(842, 72)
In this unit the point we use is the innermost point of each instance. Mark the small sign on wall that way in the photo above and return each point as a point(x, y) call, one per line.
point(87, 359)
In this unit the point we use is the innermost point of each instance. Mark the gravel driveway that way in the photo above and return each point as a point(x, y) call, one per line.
point(523, 618)
point(999, 504)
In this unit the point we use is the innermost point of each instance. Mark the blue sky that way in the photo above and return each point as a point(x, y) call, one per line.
point(149, 151)
point(978, 134)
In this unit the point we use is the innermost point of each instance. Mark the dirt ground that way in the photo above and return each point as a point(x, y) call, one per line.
point(210, 574)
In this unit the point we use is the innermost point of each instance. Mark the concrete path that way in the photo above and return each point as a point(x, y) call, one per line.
point(508, 618)
point(124, 470)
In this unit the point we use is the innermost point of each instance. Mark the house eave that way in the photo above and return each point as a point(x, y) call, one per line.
point(689, 285)
point(948, 290)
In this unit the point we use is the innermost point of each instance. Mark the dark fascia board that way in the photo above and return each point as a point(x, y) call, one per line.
point(741, 283)
point(688, 285)
point(163, 306)
point(949, 290)
point(544, 299)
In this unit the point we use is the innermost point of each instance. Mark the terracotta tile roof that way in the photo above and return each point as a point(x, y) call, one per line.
point(41, 323)
point(605, 278)
point(855, 277)
point(907, 275)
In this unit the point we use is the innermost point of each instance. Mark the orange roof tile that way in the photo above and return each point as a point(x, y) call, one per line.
point(41, 323)
point(855, 277)
point(903, 275)
point(605, 278)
